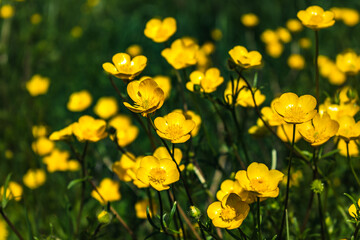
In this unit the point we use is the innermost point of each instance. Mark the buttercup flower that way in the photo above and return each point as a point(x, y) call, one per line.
point(35, 19)
point(174, 127)
point(124, 168)
point(337, 111)
point(37, 85)
point(126, 132)
point(348, 62)
point(283, 34)
point(229, 213)
point(274, 49)
point(141, 206)
point(79, 101)
point(3, 230)
point(305, 43)
point(244, 96)
point(39, 131)
point(258, 130)
point(62, 134)
point(34, 178)
point(106, 107)
point(245, 59)
point(59, 161)
point(124, 67)
point(227, 187)
point(42, 146)
point(249, 20)
point(7, 11)
point(296, 61)
point(271, 116)
point(294, 25)
point(76, 32)
point(89, 129)
point(159, 173)
point(164, 82)
point(208, 81)
point(134, 50)
point(13, 191)
point(147, 96)
point(348, 130)
point(352, 210)
point(294, 109)
point(350, 16)
point(136, 181)
point(162, 152)
point(109, 190)
point(190, 115)
point(315, 17)
point(160, 31)
point(181, 54)
point(353, 148)
point(216, 34)
point(319, 130)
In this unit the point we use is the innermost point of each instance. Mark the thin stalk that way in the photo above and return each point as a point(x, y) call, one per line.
point(178, 213)
point(121, 149)
point(150, 201)
point(182, 91)
point(258, 218)
point(350, 164)
point(356, 231)
point(174, 217)
point(233, 235)
point(242, 233)
point(317, 84)
point(10, 224)
point(162, 216)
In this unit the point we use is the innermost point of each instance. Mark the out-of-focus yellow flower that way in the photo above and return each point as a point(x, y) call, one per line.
point(35, 19)
point(259, 180)
point(336, 77)
point(245, 59)
point(162, 152)
point(181, 54)
point(348, 130)
point(159, 173)
point(269, 36)
point(295, 178)
point(126, 133)
point(160, 31)
point(244, 96)
point(348, 95)
point(134, 50)
point(305, 43)
point(13, 191)
point(271, 116)
point(208, 48)
point(106, 107)
point(249, 20)
point(62, 134)
point(76, 32)
point(39, 131)
point(146, 94)
point(330, 70)
point(258, 130)
point(79, 101)
point(207, 82)
point(59, 161)
point(348, 62)
point(352, 210)
point(37, 85)
point(353, 148)
point(285, 133)
point(337, 12)
point(274, 49)
point(350, 16)
point(109, 190)
point(124, 67)
point(228, 213)
point(296, 61)
point(283, 34)
point(89, 129)
point(315, 17)
point(42, 146)
point(190, 115)
point(294, 25)
point(7, 11)
point(216, 34)
point(141, 206)
point(8, 154)
point(164, 82)
point(92, 3)
point(319, 130)
point(3, 230)
point(294, 109)
point(34, 178)
point(174, 127)
point(124, 168)
point(336, 111)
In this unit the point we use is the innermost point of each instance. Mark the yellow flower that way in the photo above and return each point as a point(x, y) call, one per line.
point(285, 133)
point(350, 16)
point(37, 85)
point(229, 213)
point(162, 152)
point(337, 77)
point(352, 210)
point(244, 97)
point(39, 131)
point(295, 178)
point(164, 82)
point(13, 191)
point(160, 31)
point(126, 133)
point(207, 82)
point(109, 190)
point(259, 180)
point(89, 129)
point(294, 25)
point(271, 116)
point(141, 206)
point(79, 101)
point(336, 111)
point(7, 11)
point(283, 34)
point(305, 43)
point(216, 34)
point(269, 36)
point(62, 134)
point(190, 115)
point(245, 59)
point(319, 130)
point(274, 49)
point(76, 32)
point(136, 181)
point(348, 62)
point(134, 50)
point(348, 130)
point(296, 61)
point(3, 230)
point(124, 67)
point(315, 17)
point(348, 95)
point(294, 109)
point(146, 94)
point(34, 178)
point(159, 173)
point(106, 107)
point(227, 187)
point(59, 161)
point(249, 20)
point(353, 148)
point(258, 130)
point(35, 19)
point(174, 127)
point(124, 168)
point(42, 146)
point(181, 54)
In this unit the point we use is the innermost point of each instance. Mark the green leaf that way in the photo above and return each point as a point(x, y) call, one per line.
point(76, 181)
point(173, 209)
point(329, 154)
point(5, 201)
point(150, 220)
point(274, 237)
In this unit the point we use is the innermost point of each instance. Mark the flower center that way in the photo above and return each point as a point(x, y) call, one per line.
point(294, 114)
point(157, 175)
point(258, 185)
point(174, 131)
point(316, 19)
point(228, 214)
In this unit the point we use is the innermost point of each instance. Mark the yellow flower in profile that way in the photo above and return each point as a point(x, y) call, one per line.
point(141, 206)
point(134, 50)
point(39, 131)
point(59, 161)
point(350, 16)
point(162, 152)
point(296, 61)
point(181, 54)
point(159, 173)
point(79, 101)
point(315, 17)
point(228, 186)
point(305, 43)
point(245, 59)
point(160, 31)
point(294, 109)
point(109, 190)
point(3, 230)
point(348, 130)
point(208, 81)
point(249, 20)
point(259, 180)
point(106, 107)
point(147, 96)
point(174, 127)
point(190, 115)
point(274, 49)
point(136, 181)
point(348, 62)
point(269, 36)
point(13, 191)
point(283, 34)
point(228, 213)
point(35, 19)
point(348, 95)
point(124, 168)
point(336, 111)
point(7, 11)
point(352, 210)
point(270, 115)
point(164, 82)
point(258, 130)
point(89, 129)
point(37, 85)
point(319, 130)
point(244, 96)
point(42, 146)
point(62, 134)
point(34, 178)
point(285, 133)
point(353, 148)
point(124, 67)
point(126, 132)
point(294, 25)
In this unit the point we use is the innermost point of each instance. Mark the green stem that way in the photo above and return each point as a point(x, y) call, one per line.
point(150, 201)
point(233, 235)
point(356, 230)
point(171, 203)
point(162, 215)
point(258, 218)
point(350, 164)
point(178, 214)
point(317, 84)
